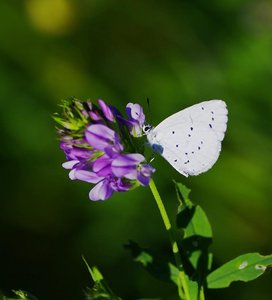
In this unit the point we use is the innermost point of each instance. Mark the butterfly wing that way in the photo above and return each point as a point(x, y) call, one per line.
point(190, 140)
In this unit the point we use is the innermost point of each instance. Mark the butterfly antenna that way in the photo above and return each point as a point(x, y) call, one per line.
point(149, 110)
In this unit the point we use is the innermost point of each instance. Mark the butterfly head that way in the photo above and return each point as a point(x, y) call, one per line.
point(146, 128)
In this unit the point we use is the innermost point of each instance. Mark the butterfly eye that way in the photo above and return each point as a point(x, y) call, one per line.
point(146, 128)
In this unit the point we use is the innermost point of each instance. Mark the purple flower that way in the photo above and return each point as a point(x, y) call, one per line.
point(105, 186)
point(126, 165)
point(71, 165)
point(77, 157)
point(95, 116)
point(144, 174)
point(99, 149)
point(101, 137)
point(102, 165)
point(107, 110)
point(136, 118)
point(88, 176)
point(130, 167)
point(102, 190)
point(74, 165)
point(75, 153)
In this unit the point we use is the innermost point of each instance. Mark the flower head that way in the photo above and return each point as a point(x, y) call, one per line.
point(136, 118)
point(99, 146)
point(130, 166)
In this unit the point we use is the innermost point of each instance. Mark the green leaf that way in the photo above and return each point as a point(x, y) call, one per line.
point(20, 295)
point(182, 193)
point(191, 217)
point(196, 228)
point(193, 289)
point(157, 267)
point(243, 268)
point(100, 289)
point(197, 237)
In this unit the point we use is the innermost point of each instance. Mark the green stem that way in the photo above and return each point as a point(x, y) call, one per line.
point(202, 295)
point(175, 249)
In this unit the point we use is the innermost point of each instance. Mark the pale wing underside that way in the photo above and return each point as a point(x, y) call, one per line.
point(191, 139)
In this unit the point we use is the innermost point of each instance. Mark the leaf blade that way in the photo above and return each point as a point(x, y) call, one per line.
point(100, 289)
point(245, 268)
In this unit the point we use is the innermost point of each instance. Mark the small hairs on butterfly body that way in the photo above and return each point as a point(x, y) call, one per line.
point(190, 140)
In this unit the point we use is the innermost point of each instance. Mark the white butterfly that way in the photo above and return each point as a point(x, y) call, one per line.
point(190, 140)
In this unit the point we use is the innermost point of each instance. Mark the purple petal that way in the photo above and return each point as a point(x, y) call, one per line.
point(95, 116)
point(101, 191)
point(135, 129)
point(79, 153)
point(113, 151)
point(144, 174)
point(144, 180)
point(100, 136)
point(66, 145)
point(102, 166)
point(129, 159)
point(72, 174)
point(132, 159)
point(135, 112)
point(130, 172)
point(136, 119)
point(70, 164)
point(120, 186)
point(87, 176)
point(126, 165)
point(106, 109)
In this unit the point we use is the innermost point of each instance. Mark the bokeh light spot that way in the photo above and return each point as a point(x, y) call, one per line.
point(51, 16)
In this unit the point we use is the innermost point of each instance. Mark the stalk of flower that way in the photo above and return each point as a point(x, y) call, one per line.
point(100, 145)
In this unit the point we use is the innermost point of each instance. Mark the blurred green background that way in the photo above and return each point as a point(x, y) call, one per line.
point(177, 53)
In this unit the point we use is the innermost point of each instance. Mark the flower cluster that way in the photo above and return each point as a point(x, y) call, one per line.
point(101, 148)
